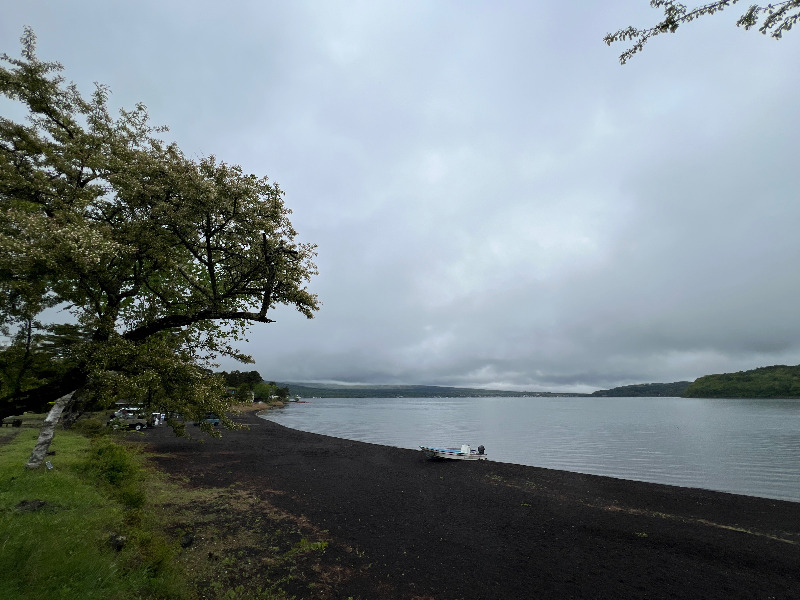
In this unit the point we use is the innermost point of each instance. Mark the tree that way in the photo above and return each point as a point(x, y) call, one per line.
point(237, 378)
point(778, 18)
point(159, 263)
point(263, 391)
point(24, 365)
point(244, 394)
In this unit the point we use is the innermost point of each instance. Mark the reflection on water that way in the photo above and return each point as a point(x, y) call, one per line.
point(742, 446)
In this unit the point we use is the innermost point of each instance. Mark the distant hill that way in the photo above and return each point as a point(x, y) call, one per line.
point(672, 390)
point(766, 382)
point(332, 390)
point(778, 381)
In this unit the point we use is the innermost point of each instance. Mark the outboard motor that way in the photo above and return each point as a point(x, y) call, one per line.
point(481, 449)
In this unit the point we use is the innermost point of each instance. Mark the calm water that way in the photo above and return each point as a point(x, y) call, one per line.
point(742, 446)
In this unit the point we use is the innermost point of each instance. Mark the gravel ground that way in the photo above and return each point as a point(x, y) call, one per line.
point(403, 527)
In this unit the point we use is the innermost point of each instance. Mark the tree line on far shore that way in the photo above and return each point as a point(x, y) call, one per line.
point(653, 390)
point(251, 386)
point(778, 381)
point(766, 382)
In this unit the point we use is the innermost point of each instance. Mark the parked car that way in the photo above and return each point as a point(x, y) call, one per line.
point(209, 418)
point(127, 419)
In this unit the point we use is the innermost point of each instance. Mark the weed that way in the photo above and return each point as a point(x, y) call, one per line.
point(304, 547)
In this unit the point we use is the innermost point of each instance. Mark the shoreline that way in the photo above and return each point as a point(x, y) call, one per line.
point(486, 529)
point(263, 411)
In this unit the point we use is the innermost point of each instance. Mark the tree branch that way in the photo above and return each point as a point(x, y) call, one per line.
point(779, 18)
point(176, 321)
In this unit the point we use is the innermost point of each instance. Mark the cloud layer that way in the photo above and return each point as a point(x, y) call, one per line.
point(497, 202)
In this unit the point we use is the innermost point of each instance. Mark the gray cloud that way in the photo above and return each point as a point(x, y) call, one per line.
point(496, 201)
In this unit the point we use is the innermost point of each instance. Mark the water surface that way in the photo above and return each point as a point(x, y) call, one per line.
point(747, 447)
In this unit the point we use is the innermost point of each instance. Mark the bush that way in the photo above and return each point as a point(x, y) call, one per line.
point(112, 464)
point(90, 427)
point(132, 496)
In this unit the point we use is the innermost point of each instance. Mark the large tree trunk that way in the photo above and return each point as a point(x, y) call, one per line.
point(48, 431)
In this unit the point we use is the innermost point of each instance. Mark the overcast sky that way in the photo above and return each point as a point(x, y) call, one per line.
point(497, 202)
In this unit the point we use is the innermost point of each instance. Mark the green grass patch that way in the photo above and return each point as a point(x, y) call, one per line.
point(77, 530)
point(105, 523)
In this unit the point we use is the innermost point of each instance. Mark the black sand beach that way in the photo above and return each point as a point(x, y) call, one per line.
point(403, 527)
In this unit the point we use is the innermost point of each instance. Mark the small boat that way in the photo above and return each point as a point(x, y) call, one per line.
point(463, 453)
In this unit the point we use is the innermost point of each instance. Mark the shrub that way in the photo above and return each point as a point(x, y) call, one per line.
point(91, 427)
point(112, 464)
point(132, 496)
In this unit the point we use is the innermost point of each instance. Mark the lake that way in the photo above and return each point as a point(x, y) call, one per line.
point(749, 447)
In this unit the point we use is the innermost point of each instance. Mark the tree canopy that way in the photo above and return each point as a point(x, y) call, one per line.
point(126, 267)
point(778, 381)
point(237, 378)
point(775, 20)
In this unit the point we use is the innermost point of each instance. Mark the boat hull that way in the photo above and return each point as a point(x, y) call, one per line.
point(451, 454)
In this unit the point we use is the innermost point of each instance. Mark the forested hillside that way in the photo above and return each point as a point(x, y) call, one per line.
point(675, 389)
point(331, 390)
point(778, 381)
point(767, 382)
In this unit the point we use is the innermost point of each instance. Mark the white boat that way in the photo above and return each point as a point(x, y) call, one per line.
point(463, 453)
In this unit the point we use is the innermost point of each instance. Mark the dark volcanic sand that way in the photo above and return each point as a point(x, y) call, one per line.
point(492, 530)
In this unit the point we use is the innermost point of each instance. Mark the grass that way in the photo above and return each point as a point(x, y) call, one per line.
point(103, 523)
point(77, 530)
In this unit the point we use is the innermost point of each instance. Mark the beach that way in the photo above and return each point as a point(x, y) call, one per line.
point(399, 526)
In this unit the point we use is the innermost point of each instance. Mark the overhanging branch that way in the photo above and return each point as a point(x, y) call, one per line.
point(176, 321)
